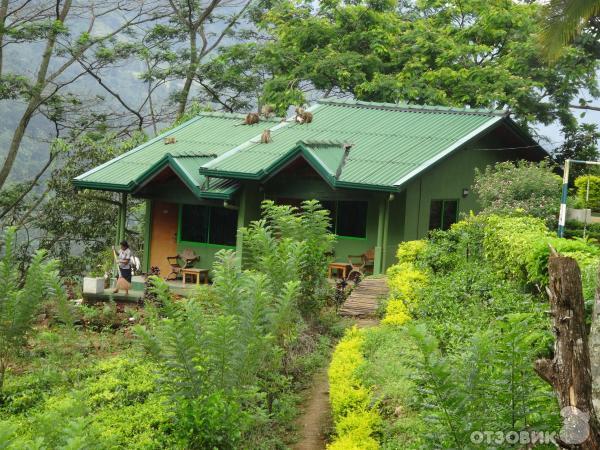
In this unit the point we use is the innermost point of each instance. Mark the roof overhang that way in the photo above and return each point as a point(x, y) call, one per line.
point(166, 161)
point(485, 128)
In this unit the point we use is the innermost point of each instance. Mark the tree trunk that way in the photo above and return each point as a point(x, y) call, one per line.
point(595, 348)
point(3, 13)
point(187, 85)
point(34, 102)
point(569, 372)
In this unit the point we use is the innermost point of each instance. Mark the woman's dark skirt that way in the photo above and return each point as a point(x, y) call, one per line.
point(126, 273)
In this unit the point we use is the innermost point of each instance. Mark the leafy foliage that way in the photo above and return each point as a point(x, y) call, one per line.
point(483, 54)
point(355, 420)
point(86, 219)
point(520, 188)
point(293, 243)
point(588, 190)
point(464, 360)
point(224, 357)
point(20, 299)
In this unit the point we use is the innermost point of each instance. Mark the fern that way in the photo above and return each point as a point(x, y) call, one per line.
point(19, 304)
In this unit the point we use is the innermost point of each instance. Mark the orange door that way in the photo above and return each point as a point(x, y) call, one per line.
point(163, 239)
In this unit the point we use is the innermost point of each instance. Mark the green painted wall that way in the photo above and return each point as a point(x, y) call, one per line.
point(446, 181)
point(407, 211)
point(397, 208)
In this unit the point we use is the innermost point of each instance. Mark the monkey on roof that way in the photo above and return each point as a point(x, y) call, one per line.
point(303, 116)
point(251, 119)
point(267, 110)
point(265, 137)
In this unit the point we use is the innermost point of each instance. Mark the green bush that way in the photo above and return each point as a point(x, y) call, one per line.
point(519, 188)
point(389, 368)
point(292, 243)
point(21, 298)
point(111, 403)
point(591, 199)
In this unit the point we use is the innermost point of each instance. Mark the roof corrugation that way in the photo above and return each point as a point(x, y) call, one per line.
point(208, 135)
point(388, 144)
point(388, 141)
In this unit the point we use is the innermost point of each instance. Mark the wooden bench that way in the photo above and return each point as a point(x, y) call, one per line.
point(198, 273)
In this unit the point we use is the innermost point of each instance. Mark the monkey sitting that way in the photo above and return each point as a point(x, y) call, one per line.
point(265, 137)
point(267, 110)
point(303, 116)
point(251, 119)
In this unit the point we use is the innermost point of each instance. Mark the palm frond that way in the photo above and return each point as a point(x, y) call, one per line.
point(563, 21)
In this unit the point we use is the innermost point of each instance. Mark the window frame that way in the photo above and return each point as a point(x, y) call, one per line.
point(335, 220)
point(194, 243)
point(443, 200)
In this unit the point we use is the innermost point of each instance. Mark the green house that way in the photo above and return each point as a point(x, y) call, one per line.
point(387, 172)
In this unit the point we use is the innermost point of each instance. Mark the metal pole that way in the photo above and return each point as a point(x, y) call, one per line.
point(563, 201)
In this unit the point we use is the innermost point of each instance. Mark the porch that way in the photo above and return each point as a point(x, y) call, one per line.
point(137, 291)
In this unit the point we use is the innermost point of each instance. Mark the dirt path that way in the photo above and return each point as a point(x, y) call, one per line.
point(316, 419)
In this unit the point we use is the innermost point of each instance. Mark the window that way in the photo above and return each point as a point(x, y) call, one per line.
point(348, 218)
point(208, 225)
point(442, 214)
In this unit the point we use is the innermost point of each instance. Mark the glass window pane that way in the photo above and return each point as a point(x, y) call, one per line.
point(223, 226)
point(435, 214)
point(329, 206)
point(450, 213)
point(352, 219)
point(194, 223)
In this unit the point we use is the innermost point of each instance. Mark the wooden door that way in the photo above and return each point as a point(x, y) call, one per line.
point(163, 239)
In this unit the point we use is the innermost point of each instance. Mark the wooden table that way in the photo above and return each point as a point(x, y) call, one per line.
point(341, 267)
point(197, 273)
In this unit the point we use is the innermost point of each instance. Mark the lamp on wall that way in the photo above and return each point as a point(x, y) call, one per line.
point(465, 192)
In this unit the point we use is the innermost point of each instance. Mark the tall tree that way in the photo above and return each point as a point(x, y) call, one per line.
point(195, 29)
point(68, 38)
point(454, 53)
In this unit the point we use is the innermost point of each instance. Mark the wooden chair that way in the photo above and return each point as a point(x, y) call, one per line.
point(361, 264)
point(188, 257)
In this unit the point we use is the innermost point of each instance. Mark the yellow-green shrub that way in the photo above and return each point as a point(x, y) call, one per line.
point(355, 420)
point(409, 251)
point(519, 247)
point(355, 431)
point(404, 280)
point(396, 313)
point(507, 242)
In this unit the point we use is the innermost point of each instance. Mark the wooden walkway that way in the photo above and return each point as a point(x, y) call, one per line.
point(364, 298)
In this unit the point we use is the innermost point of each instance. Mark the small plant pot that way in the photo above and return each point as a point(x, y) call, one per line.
point(93, 285)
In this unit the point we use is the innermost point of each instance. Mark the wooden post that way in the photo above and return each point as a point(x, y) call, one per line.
point(378, 263)
point(569, 372)
point(147, 235)
point(241, 222)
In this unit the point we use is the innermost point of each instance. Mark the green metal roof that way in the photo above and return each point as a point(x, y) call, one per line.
point(389, 143)
point(352, 144)
point(196, 142)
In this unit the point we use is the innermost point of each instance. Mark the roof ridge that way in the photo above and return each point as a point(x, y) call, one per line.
point(252, 142)
point(237, 116)
point(409, 107)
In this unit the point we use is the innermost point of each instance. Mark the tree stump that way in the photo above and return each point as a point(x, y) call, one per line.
point(569, 372)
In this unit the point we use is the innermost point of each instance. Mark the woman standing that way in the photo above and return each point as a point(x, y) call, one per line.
point(124, 260)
